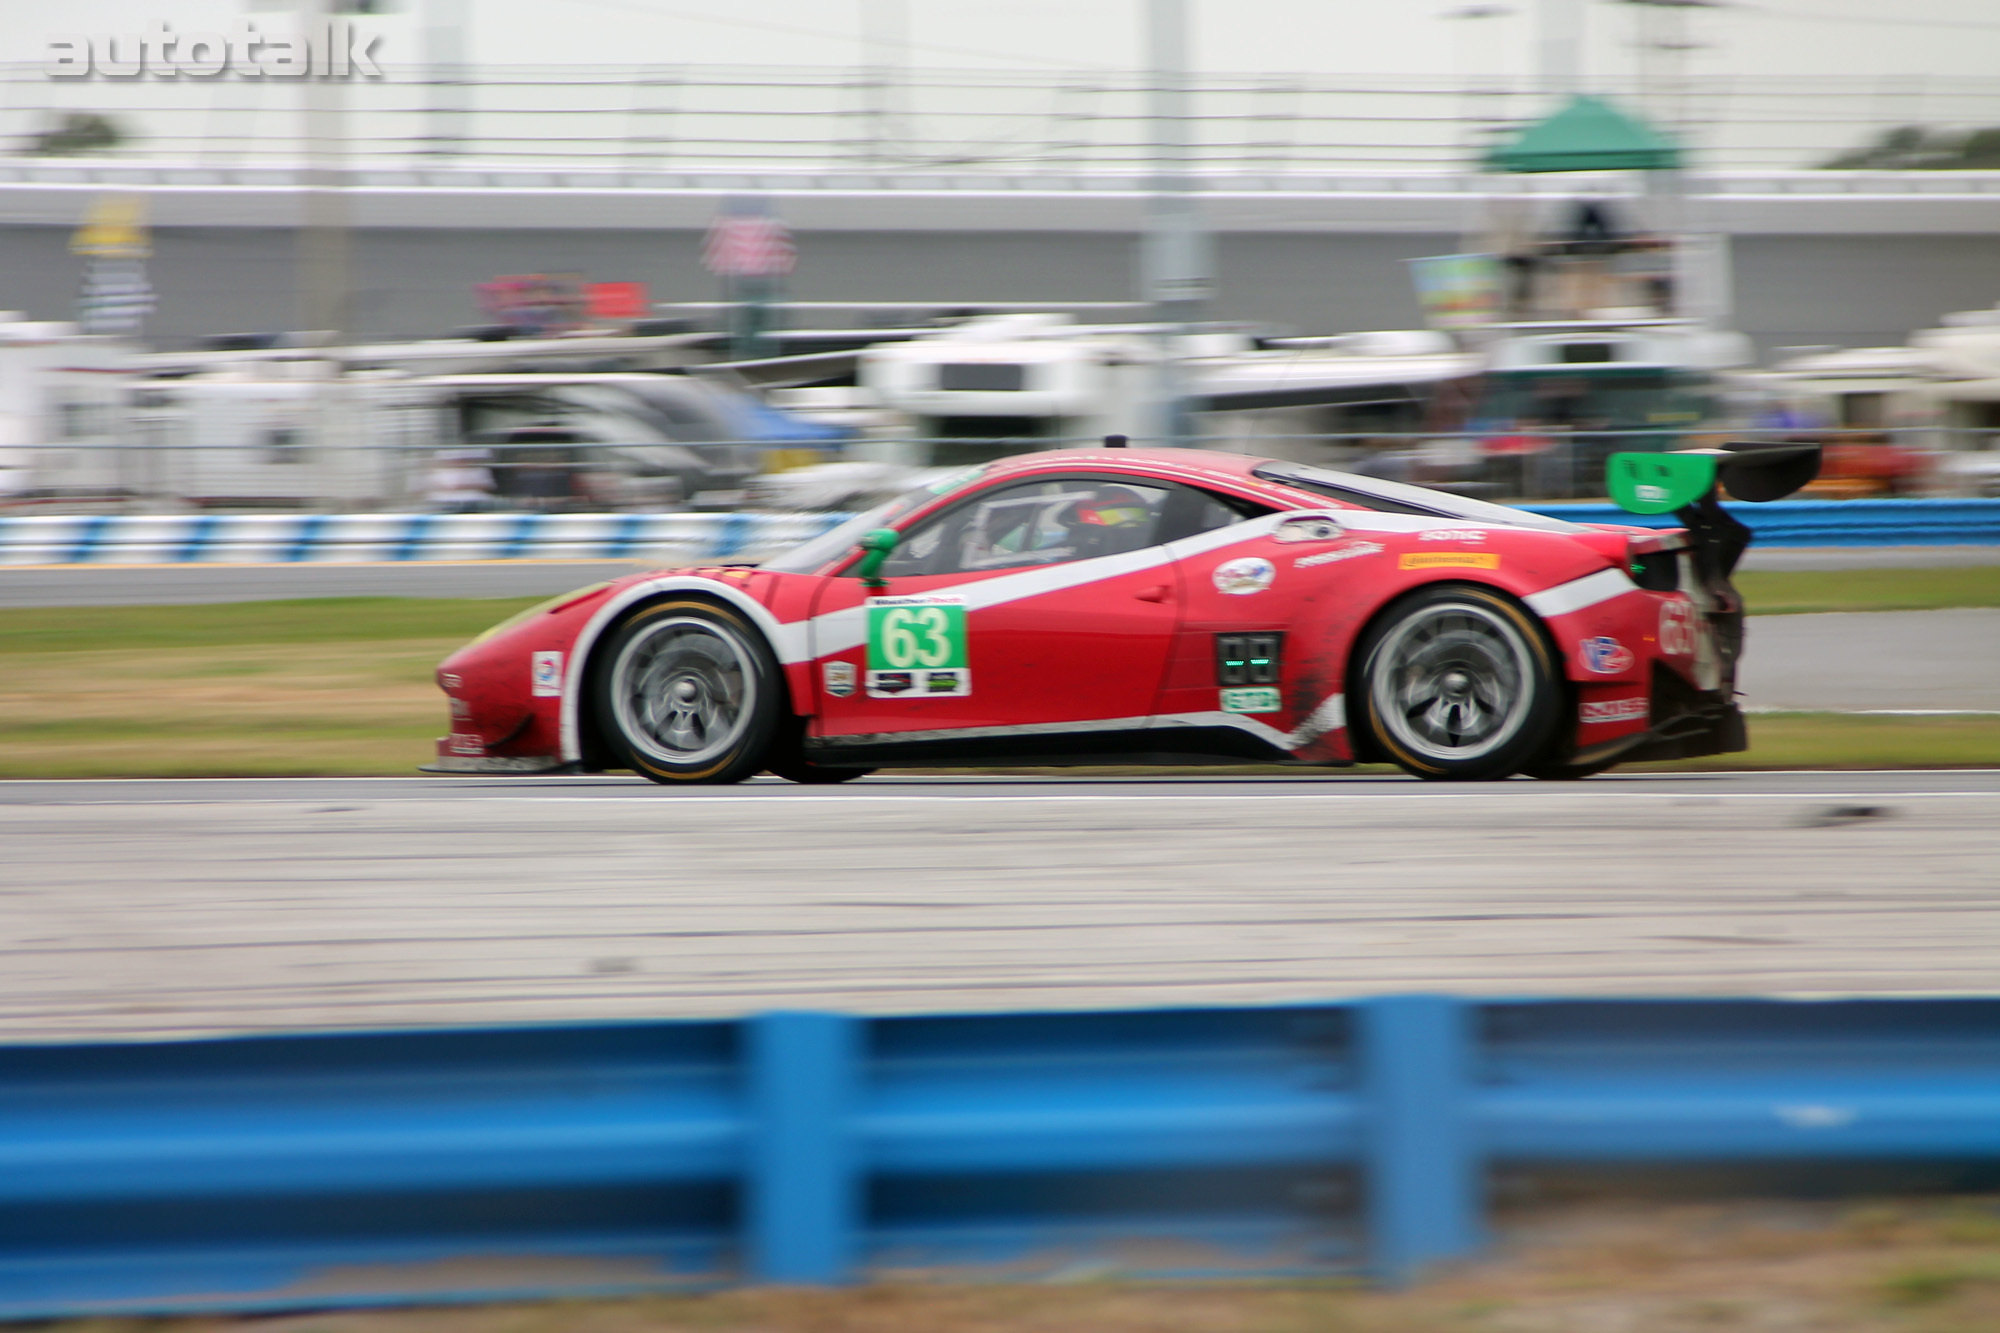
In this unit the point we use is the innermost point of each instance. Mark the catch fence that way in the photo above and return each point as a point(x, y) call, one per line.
point(690, 117)
point(376, 467)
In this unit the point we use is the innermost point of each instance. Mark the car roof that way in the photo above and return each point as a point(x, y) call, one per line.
point(1194, 466)
point(1319, 486)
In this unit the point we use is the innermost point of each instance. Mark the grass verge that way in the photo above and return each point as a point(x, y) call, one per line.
point(335, 686)
point(1850, 740)
point(343, 687)
point(1776, 592)
point(1895, 1267)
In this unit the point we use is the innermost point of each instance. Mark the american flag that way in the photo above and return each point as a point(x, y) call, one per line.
point(748, 245)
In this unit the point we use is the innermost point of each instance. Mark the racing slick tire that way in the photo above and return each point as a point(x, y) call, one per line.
point(1459, 682)
point(688, 691)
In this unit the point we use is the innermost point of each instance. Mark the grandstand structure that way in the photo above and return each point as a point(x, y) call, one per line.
point(959, 187)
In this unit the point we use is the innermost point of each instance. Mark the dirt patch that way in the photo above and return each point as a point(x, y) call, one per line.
point(1880, 1267)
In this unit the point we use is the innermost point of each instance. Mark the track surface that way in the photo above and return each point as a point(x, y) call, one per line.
point(1858, 661)
point(153, 908)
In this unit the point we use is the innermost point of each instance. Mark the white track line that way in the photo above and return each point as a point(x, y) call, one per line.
point(1073, 796)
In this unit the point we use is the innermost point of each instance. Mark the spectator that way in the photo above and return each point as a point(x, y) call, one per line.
point(460, 482)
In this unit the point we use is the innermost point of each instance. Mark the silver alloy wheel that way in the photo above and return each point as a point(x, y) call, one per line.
point(1453, 683)
point(684, 690)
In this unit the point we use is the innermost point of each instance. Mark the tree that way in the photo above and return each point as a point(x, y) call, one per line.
point(79, 132)
point(1915, 148)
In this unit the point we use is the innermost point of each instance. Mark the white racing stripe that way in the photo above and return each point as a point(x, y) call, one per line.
point(1578, 594)
point(1335, 788)
point(838, 631)
point(1774, 710)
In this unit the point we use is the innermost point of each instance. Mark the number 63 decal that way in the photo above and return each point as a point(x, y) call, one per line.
point(916, 647)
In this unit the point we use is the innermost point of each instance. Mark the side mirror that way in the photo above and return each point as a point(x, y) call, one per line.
point(875, 549)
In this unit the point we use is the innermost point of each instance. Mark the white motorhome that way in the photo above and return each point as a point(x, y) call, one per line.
point(63, 424)
point(283, 435)
point(1006, 383)
point(1935, 399)
point(292, 435)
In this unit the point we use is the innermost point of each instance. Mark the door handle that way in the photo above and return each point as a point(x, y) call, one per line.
point(1157, 593)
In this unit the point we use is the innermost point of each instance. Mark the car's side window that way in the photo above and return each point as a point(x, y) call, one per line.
point(1032, 523)
point(1196, 511)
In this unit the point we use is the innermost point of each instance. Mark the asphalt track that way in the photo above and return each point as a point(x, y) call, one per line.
point(166, 908)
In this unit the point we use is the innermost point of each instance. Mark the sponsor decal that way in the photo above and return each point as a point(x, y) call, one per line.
point(1338, 554)
point(916, 645)
point(1676, 629)
point(1605, 655)
point(1453, 535)
point(953, 681)
point(464, 743)
point(1635, 709)
point(1251, 699)
point(1308, 530)
point(460, 708)
point(545, 675)
point(449, 680)
point(838, 678)
point(1240, 577)
point(1448, 560)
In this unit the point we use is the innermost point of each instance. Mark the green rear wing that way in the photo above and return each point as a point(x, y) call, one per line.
point(1669, 482)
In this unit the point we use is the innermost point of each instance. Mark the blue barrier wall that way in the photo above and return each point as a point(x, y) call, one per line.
point(682, 539)
point(664, 539)
point(275, 1172)
point(1830, 522)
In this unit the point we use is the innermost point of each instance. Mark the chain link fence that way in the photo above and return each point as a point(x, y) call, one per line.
point(298, 473)
point(691, 117)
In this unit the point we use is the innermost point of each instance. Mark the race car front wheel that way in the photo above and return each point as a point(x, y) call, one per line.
point(689, 692)
point(1459, 682)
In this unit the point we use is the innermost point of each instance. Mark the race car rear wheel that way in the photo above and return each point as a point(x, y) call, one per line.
point(689, 692)
point(1459, 682)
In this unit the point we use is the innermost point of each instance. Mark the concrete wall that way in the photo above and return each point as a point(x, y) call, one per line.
point(411, 282)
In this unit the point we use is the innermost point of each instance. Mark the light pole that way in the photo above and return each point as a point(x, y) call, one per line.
point(1175, 259)
point(1463, 18)
point(885, 35)
point(323, 236)
point(1559, 55)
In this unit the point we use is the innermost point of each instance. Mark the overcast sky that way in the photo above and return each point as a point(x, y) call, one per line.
point(1856, 38)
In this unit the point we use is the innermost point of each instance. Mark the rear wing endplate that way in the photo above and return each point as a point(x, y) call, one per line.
point(1664, 483)
point(1688, 483)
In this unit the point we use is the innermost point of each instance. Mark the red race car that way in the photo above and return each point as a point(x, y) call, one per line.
point(1144, 606)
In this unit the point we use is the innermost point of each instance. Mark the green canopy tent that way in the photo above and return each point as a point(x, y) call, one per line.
point(1589, 134)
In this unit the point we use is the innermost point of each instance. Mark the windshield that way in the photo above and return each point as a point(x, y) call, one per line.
point(836, 541)
point(1393, 497)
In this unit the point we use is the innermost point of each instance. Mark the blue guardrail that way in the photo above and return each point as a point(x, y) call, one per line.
point(683, 539)
point(353, 1168)
point(1829, 522)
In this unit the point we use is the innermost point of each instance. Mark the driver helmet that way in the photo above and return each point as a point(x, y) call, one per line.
point(1111, 507)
